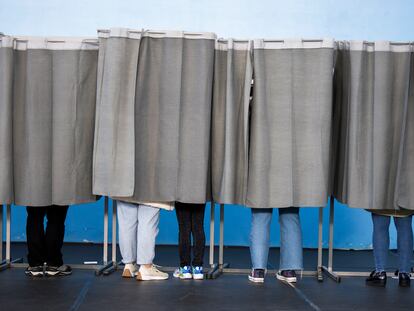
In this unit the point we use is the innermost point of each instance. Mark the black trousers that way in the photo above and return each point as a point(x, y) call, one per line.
point(45, 245)
point(190, 223)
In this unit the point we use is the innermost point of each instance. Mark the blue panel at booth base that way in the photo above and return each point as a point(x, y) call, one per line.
point(353, 227)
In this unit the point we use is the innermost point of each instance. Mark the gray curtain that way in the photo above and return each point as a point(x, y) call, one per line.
point(53, 120)
point(405, 176)
point(6, 146)
point(371, 89)
point(230, 118)
point(290, 135)
point(114, 150)
point(171, 125)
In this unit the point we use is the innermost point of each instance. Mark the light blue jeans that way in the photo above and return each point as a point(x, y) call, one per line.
point(291, 257)
point(138, 229)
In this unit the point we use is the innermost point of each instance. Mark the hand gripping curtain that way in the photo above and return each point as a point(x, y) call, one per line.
point(290, 131)
point(163, 154)
point(231, 96)
point(6, 146)
point(53, 120)
point(371, 90)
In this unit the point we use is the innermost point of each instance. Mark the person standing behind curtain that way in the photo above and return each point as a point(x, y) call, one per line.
point(44, 246)
point(291, 258)
point(381, 242)
point(138, 229)
point(190, 219)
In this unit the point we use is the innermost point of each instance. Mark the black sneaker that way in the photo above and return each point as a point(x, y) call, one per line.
point(257, 275)
point(34, 271)
point(287, 276)
point(58, 271)
point(377, 279)
point(404, 279)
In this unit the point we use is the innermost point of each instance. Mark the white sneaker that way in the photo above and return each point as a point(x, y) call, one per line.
point(150, 274)
point(176, 273)
point(130, 270)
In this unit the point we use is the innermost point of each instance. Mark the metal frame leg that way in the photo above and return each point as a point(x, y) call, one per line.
point(7, 263)
point(329, 270)
point(109, 266)
point(217, 269)
point(113, 264)
point(320, 245)
point(1, 234)
point(213, 266)
point(212, 210)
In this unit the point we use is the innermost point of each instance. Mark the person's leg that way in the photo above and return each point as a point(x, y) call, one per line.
point(148, 220)
point(199, 237)
point(259, 237)
point(35, 233)
point(183, 212)
point(405, 243)
point(55, 233)
point(127, 226)
point(380, 240)
point(291, 257)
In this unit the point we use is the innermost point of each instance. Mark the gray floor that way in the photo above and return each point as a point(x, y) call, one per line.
point(84, 291)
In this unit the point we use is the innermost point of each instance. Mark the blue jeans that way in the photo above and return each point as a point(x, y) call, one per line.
point(290, 238)
point(381, 241)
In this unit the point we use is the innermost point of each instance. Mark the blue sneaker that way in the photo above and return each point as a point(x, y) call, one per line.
point(198, 273)
point(184, 273)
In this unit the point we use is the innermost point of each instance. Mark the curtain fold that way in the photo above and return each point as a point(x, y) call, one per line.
point(229, 155)
point(405, 177)
point(54, 97)
point(171, 126)
point(114, 150)
point(6, 146)
point(371, 91)
point(291, 121)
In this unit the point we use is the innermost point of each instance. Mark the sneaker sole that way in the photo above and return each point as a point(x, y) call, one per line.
point(58, 273)
point(375, 284)
point(140, 277)
point(35, 274)
point(198, 277)
point(255, 280)
point(285, 279)
point(127, 274)
point(186, 276)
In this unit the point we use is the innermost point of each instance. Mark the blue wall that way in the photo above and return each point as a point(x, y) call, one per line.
point(351, 19)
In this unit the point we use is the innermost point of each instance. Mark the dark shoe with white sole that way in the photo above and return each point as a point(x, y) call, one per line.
point(378, 279)
point(58, 271)
point(404, 279)
point(257, 275)
point(36, 271)
point(287, 276)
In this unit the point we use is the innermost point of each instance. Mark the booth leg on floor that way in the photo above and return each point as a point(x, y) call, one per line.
point(321, 268)
point(216, 269)
point(8, 261)
point(108, 267)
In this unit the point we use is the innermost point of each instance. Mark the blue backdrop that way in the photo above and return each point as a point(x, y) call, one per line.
point(351, 19)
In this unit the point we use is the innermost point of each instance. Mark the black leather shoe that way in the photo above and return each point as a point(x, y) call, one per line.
point(377, 279)
point(404, 279)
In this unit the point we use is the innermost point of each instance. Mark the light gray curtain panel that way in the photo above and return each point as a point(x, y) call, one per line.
point(163, 154)
point(405, 176)
point(291, 121)
point(371, 92)
point(229, 155)
point(54, 96)
point(6, 146)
